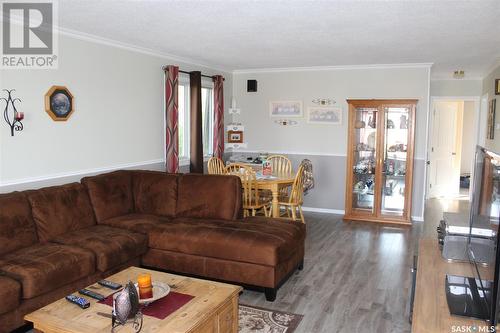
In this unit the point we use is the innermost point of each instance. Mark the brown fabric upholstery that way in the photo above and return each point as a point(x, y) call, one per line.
point(17, 229)
point(209, 197)
point(111, 246)
point(226, 270)
point(10, 294)
point(111, 194)
point(190, 222)
point(14, 319)
point(141, 223)
point(155, 193)
point(258, 241)
point(44, 267)
point(60, 209)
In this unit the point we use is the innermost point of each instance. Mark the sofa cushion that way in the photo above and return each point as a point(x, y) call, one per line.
point(141, 223)
point(17, 229)
point(257, 240)
point(60, 209)
point(155, 193)
point(10, 294)
point(44, 267)
point(111, 246)
point(209, 197)
point(111, 194)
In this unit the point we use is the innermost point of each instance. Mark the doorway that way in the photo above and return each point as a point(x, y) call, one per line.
point(453, 136)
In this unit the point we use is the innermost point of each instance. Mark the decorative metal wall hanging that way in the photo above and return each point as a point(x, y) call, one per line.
point(59, 103)
point(286, 122)
point(12, 117)
point(323, 101)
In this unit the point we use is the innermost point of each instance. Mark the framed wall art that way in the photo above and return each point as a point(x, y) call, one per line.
point(497, 87)
point(491, 119)
point(59, 103)
point(235, 136)
point(324, 115)
point(285, 109)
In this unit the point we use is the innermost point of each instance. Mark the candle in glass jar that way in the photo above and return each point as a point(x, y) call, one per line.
point(145, 286)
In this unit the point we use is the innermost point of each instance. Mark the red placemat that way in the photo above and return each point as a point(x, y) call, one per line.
point(160, 308)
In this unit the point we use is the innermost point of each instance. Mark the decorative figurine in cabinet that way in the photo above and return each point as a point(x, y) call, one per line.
point(380, 160)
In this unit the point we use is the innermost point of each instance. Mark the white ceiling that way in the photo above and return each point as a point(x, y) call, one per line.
point(236, 35)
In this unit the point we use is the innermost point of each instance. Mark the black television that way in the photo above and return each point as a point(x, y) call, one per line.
point(477, 296)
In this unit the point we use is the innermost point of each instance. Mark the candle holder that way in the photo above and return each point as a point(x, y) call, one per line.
point(12, 117)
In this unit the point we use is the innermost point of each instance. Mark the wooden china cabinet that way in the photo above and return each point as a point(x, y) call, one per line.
point(380, 160)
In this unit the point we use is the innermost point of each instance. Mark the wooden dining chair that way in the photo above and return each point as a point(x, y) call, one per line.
point(252, 201)
point(281, 165)
point(216, 166)
point(292, 202)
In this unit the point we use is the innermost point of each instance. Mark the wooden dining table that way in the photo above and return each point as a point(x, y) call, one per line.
point(274, 183)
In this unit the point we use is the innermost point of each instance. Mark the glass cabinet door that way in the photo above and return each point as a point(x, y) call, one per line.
point(395, 149)
point(364, 159)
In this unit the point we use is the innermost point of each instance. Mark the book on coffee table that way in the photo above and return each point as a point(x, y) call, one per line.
point(192, 306)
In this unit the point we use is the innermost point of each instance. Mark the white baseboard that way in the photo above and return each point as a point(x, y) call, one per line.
point(324, 210)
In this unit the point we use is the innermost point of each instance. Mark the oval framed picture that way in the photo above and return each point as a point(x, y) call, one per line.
point(59, 103)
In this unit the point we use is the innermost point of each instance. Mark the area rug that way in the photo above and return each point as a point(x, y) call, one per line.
point(259, 320)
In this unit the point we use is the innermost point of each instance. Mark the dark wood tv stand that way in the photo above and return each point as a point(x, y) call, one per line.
point(430, 309)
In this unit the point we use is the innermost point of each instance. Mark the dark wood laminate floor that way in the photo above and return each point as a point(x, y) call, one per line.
point(357, 275)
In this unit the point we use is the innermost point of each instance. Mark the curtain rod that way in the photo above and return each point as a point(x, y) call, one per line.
point(165, 68)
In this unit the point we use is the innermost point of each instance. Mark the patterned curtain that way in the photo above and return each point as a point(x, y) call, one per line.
point(172, 118)
point(218, 147)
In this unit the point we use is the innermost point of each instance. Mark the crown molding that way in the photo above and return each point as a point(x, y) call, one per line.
point(331, 68)
point(134, 48)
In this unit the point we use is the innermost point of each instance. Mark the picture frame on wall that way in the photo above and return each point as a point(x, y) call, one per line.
point(59, 103)
point(235, 136)
point(285, 109)
point(324, 115)
point(497, 87)
point(491, 119)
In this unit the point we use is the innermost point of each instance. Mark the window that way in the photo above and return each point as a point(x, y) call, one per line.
point(207, 110)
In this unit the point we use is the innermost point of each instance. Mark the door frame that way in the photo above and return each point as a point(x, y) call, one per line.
point(430, 124)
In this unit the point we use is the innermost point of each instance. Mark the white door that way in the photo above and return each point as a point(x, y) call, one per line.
point(444, 179)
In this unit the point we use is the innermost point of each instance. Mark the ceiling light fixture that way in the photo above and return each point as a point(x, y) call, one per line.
point(458, 74)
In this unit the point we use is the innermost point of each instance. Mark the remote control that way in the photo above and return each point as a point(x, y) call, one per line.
point(92, 294)
point(80, 301)
point(109, 284)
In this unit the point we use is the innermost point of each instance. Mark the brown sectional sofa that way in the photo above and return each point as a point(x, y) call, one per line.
point(56, 240)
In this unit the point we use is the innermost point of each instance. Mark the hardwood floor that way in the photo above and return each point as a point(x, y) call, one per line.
point(356, 276)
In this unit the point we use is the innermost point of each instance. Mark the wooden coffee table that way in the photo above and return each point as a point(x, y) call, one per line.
point(213, 310)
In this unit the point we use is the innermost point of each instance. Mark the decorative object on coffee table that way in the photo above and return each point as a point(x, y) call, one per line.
point(125, 307)
point(255, 319)
point(193, 306)
point(59, 103)
point(10, 113)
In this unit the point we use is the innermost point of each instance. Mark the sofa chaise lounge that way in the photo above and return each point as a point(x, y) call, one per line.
point(56, 240)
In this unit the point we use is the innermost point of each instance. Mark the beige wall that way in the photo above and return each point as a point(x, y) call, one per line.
point(456, 88)
point(326, 145)
point(118, 119)
point(468, 139)
point(261, 133)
